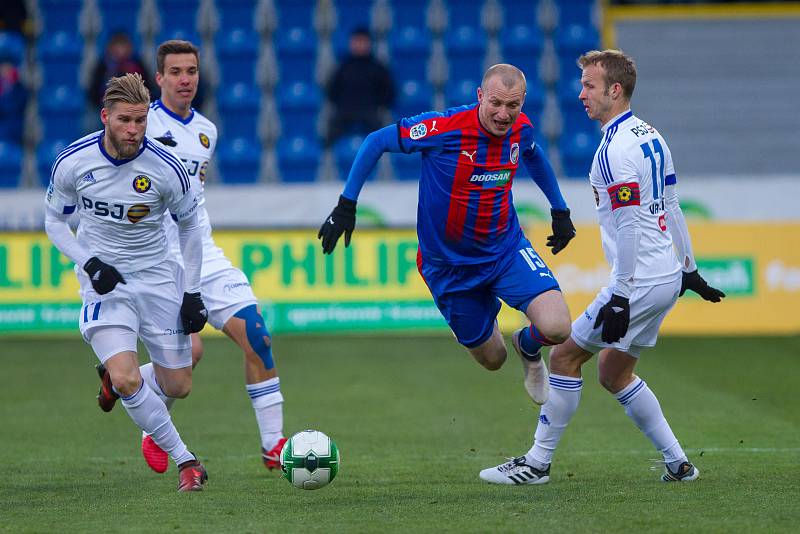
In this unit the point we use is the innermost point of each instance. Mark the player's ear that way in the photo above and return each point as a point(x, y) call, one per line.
point(104, 115)
point(480, 95)
point(158, 78)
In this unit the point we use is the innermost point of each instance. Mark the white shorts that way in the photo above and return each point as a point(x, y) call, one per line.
point(148, 304)
point(649, 306)
point(224, 293)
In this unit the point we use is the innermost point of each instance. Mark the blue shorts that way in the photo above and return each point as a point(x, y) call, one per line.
point(469, 295)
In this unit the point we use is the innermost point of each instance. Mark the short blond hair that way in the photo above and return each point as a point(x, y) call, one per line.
point(618, 66)
point(128, 89)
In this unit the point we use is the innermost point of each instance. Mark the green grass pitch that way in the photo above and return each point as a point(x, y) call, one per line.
point(415, 419)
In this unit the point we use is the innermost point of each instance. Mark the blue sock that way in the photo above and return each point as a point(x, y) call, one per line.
point(531, 341)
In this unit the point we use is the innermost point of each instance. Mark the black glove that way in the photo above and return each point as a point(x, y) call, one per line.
point(103, 276)
point(342, 219)
point(695, 282)
point(563, 230)
point(193, 313)
point(614, 316)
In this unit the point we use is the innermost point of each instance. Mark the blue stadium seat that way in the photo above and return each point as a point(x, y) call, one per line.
point(406, 166)
point(413, 98)
point(573, 115)
point(239, 159)
point(61, 110)
point(409, 13)
point(298, 106)
point(292, 14)
point(298, 158)
point(239, 104)
point(577, 152)
point(575, 12)
point(45, 156)
point(12, 47)
point(573, 40)
point(534, 101)
point(177, 32)
point(10, 164)
point(296, 50)
point(119, 15)
point(466, 48)
point(178, 16)
point(410, 48)
point(465, 13)
point(60, 56)
point(344, 151)
point(458, 92)
point(60, 15)
point(520, 12)
point(237, 52)
point(521, 45)
point(236, 14)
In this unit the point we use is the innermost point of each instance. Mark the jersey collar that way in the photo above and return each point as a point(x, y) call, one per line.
point(622, 117)
point(160, 105)
point(115, 161)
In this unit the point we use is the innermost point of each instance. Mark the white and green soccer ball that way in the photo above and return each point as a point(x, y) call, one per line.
point(310, 460)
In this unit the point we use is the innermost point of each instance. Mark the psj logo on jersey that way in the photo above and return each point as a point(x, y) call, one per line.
point(141, 184)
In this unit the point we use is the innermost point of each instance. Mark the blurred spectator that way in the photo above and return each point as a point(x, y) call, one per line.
point(13, 97)
point(361, 90)
point(119, 59)
point(14, 17)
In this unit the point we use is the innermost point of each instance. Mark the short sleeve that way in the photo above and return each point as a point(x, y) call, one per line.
point(61, 196)
point(420, 132)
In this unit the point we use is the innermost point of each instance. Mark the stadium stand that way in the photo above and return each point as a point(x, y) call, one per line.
point(264, 60)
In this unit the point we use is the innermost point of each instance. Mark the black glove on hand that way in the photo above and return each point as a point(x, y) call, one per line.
point(614, 316)
point(103, 276)
point(341, 220)
point(193, 313)
point(695, 282)
point(563, 230)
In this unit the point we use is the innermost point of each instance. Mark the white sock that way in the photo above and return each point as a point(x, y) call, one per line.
point(268, 404)
point(642, 406)
point(555, 415)
point(151, 415)
point(149, 376)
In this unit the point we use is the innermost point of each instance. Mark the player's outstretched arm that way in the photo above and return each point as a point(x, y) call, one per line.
point(679, 230)
point(542, 173)
point(342, 219)
point(104, 277)
point(193, 312)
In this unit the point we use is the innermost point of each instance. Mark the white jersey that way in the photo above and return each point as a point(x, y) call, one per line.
point(193, 139)
point(631, 167)
point(121, 203)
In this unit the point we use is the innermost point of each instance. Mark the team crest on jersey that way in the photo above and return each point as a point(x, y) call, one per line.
point(624, 195)
point(141, 184)
point(418, 131)
point(204, 140)
point(137, 212)
point(514, 153)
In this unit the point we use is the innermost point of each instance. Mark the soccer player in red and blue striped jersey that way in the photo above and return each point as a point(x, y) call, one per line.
point(472, 251)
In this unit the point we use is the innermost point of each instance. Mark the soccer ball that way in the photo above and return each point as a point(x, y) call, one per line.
point(310, 460)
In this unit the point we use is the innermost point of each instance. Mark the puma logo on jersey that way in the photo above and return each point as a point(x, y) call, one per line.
point(470, 156)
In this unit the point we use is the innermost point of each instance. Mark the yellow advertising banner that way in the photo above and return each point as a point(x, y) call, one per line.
point(374, 284)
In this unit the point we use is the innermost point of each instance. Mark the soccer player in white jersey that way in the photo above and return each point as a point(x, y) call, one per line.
point(232, 306)
point(122, 183)
point(642, 227)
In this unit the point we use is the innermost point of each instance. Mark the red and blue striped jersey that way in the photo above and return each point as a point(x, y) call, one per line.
point(466, 213)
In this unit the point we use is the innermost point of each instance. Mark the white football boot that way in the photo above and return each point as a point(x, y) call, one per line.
point(687, 472)
point(515, 471)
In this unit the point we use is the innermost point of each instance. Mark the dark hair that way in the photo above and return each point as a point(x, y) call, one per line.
point(174, 46)
point(619, 68)
point(360, 31)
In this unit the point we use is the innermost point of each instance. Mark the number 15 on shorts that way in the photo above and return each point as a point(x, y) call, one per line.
point(534, 261)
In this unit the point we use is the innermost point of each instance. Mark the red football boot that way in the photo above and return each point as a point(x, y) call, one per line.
point(155, 457)
point(191, 476)
point(272, 458)
point(106, 396)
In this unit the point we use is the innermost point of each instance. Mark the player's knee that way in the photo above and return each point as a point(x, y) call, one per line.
point(613, 384)
point(126, 384)
point(258, 338)
point(178, 389)
point(494, 359)
point(556, 331)
point(564, 362)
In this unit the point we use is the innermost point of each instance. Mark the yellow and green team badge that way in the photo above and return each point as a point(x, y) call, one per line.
point(137, 212)
point(141, 184)
point(624, 194)
point(204, 140)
